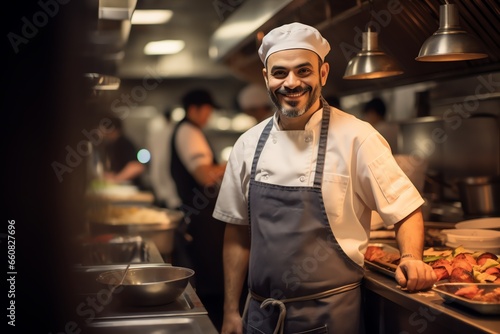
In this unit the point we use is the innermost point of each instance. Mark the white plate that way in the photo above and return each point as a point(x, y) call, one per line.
point(473, 236)
point(475, 248)
point(481, 223)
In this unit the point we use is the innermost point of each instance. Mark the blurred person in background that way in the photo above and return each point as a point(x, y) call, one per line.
point(119, 156)
point(160, 131)
point(374, 112)
point(197, 177)
point(254, 100)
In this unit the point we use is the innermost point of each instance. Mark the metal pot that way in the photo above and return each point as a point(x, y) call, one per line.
point(480, 196)
point(147, 286)
point(161, 233)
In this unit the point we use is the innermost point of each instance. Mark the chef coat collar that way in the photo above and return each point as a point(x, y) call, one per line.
point(313, 122)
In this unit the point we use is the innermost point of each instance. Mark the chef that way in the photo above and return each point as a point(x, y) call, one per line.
point(297, 195)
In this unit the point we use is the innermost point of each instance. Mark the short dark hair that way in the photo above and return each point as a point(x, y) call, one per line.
point(376, 104)
point(197, 97)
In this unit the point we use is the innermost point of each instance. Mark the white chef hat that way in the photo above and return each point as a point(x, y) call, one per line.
point(293, 36)
point(253, 96)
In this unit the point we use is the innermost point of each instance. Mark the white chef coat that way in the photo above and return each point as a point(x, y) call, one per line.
point(360, 175)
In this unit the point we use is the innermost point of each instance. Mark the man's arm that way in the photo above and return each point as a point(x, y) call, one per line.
point(412, 273)
point(131, 170)
point(235, 256)
point(209, 175)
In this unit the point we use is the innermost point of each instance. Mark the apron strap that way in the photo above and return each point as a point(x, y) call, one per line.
point(256, 156)
point(281, 302)
point(323, 138)
point(260, 146)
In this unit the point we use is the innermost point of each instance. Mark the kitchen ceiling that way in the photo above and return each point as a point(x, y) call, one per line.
point(403, 26)
point(193, 21)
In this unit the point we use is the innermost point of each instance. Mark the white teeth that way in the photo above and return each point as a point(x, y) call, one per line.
point(295, 95)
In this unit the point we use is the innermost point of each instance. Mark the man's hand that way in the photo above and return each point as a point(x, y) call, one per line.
point(232, 323)
point(415, 275)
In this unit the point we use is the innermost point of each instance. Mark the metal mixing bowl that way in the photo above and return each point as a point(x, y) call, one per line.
point(147, 286)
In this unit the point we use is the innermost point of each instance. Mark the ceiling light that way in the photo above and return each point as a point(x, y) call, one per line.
point(450, 42)
point(151, 16)
point(166, 47)
point(370, 62)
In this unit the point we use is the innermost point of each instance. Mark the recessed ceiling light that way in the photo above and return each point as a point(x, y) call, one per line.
point(166, 47)
point(151, 16)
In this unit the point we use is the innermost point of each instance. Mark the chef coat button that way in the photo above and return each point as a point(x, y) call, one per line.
point(302, 178)
point(265, 177)
point(274, 141)
point(308, 139)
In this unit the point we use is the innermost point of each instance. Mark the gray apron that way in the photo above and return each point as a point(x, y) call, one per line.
point(300, 280)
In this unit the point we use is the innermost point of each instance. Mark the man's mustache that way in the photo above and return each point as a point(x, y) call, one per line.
point(285, 91)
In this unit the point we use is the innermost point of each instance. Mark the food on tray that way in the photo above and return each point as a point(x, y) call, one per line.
point(457, 265)
point(127, 215)
point(376, 253)
point(473, 292)
point(461, 275)
point(462, 265)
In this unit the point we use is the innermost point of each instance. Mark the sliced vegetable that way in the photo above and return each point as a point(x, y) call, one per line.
point(432, 258)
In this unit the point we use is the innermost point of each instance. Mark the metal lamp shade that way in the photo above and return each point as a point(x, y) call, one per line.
point(371, 63)
point(450, 42)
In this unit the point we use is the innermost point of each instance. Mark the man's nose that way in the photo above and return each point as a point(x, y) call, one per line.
point(292, 80)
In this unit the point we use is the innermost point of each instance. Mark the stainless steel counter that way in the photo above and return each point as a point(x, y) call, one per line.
point(172, 325)
point(100, 313)
point(391, 310)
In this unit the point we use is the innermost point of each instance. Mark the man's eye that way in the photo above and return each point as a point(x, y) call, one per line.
point(304, 71)
point(279, 74)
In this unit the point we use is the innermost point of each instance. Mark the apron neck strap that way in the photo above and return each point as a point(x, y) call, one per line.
point(260, 146)
point(323, 138)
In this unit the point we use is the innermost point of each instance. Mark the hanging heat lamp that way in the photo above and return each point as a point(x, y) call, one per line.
point(450, 42)
point(370, 62)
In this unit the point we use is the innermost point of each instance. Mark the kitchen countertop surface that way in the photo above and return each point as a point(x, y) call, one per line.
point(448, 315)
point(185, 315)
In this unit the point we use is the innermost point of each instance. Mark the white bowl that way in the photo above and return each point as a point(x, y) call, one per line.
point(473, 238)
point(492, 223)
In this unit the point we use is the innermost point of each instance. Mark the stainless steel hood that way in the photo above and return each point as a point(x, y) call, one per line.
point(403, 26)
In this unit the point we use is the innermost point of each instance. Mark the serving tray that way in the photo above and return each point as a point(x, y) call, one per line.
point(447, 292)
point(381, 267)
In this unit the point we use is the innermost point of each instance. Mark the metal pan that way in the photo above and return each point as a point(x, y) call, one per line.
point(387, 269)
point(147, 286)
point(447, 292)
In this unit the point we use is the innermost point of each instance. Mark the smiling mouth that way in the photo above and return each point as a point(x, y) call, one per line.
point(295, 95)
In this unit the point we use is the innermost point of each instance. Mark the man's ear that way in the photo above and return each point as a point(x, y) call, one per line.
point(264, 74)
point(325, 69)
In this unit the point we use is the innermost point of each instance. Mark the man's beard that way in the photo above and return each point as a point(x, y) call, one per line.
point(290, 110)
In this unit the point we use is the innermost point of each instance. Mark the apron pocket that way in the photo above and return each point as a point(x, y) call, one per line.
point(320, 330)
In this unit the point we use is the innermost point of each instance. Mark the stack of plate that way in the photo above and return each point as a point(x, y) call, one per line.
point(492, 223)
point(484, 240)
